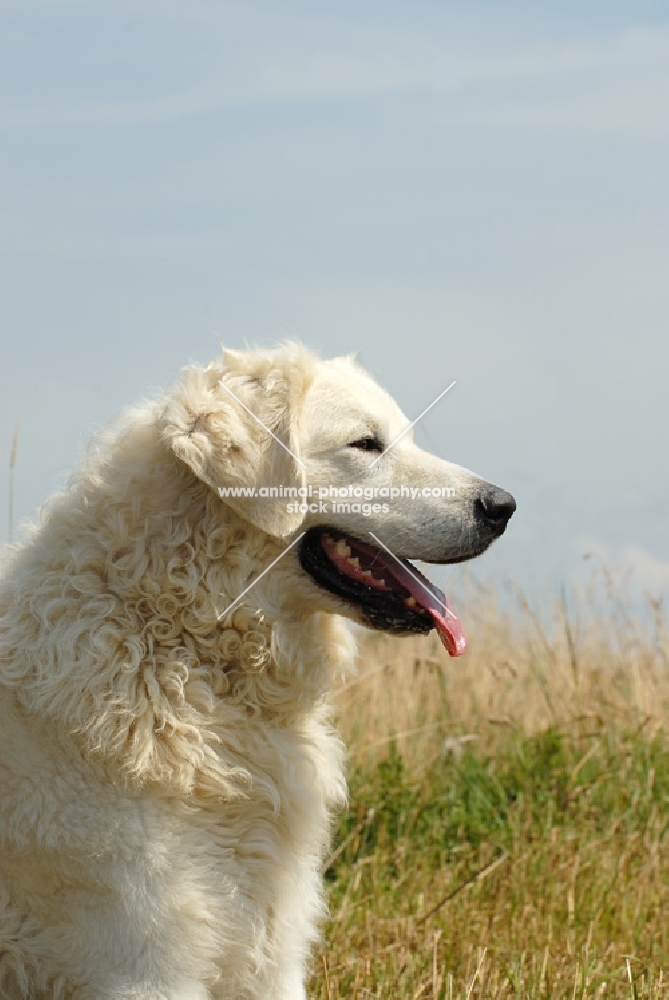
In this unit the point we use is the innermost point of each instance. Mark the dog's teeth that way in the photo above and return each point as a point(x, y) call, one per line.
point(367, 572)
point(410, 602)
point(354, 562)
point(342, 548)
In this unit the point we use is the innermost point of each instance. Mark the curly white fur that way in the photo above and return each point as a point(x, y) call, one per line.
point(167, 767)
point(165, 779)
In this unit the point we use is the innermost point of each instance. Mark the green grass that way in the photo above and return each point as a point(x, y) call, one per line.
point(538, 868)
point(507, 831)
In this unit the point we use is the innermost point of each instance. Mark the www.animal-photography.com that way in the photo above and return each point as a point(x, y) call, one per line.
point(334, 514)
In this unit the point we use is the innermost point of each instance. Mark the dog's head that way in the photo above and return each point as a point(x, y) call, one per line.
point(317, 454)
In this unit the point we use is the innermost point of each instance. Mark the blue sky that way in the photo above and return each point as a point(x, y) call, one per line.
point(468, 191)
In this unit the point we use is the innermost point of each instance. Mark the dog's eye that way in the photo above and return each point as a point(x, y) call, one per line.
point(367, 444)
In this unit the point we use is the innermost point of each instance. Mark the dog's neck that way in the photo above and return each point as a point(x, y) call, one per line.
point(139, 665)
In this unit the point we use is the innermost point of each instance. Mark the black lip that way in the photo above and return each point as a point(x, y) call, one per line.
point(380, 609)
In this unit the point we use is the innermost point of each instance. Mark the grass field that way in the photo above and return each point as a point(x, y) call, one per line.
point(507, 830)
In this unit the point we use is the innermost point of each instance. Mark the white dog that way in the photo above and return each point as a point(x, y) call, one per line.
point(167, 767)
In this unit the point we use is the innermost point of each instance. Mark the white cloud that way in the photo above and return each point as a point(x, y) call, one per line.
point(619, 83)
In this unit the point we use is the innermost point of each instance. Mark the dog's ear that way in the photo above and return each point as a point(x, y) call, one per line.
point(235, 425)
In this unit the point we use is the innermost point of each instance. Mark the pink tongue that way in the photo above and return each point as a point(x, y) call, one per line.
point(448, 625)
point(450, 631)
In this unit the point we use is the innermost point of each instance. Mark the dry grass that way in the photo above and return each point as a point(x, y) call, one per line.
point(507, 834)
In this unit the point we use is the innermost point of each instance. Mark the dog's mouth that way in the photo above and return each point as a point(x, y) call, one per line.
point(392, 595)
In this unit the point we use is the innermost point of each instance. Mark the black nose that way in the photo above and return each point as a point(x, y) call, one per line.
point(496, 507)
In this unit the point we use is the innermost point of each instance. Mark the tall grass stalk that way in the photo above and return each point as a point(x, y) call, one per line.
point(508, 831)
point(12, 465)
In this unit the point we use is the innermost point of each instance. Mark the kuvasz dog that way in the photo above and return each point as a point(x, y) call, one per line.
point(167, 764)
